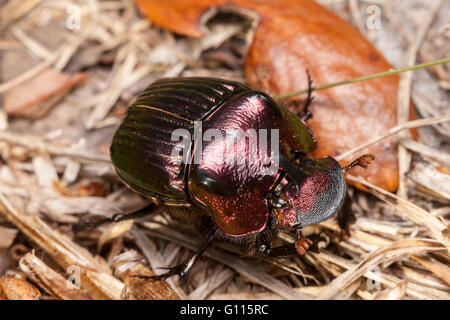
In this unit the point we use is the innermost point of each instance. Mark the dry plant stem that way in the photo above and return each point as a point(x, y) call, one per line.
point(364, 78)
point(31, 72)
point(11, 14)
point(155, 260)
point(426, 151)
point(395, 130)
point(354, 8)
point(140, 289)
point(254, 273)
point(49, 280)
point(439, 269)
point(382, 255)
point(438, 228)
point(404, 96)
point(37, 144)
point(96, 278)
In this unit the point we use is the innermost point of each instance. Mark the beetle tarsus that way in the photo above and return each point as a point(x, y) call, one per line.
point(181, 270)
point(184, 268)
point(307, 114)
point(302, 245)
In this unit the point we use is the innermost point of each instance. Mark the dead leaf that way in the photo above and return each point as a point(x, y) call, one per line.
point(35, 97)
point(293, 36)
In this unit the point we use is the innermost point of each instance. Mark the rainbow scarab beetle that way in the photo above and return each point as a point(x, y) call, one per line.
point(241, 201)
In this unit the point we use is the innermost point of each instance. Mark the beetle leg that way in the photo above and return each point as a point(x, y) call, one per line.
point(300, 246)
point(95, 223)
point(182, 269)
point(282, 251)
point(307, 114)
point(345, 216)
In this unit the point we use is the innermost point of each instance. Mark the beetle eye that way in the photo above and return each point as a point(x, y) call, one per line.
point(201, 178)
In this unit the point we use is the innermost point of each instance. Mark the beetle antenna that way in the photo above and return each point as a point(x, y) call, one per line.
point(363, 161)
point(307, 114)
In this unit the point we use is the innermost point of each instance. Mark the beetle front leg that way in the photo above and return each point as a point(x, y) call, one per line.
point(183, 269)
point(300, 246)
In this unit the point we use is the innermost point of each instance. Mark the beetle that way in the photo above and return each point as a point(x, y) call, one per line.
point(244, 202)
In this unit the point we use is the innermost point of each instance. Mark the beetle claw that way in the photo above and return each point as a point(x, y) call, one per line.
point(180, 270)
point(302, 245)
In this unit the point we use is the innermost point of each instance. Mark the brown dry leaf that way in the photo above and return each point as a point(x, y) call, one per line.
point(49, 280)
point(34, 97)
point(16, 289)
point(293, 36)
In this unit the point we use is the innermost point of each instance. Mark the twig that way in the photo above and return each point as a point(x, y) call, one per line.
point(364, 78)
point(404, 96)
point(37, 144)
point(396, 130)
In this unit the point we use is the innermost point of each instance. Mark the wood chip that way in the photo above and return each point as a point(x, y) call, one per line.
point(17, 289)
point(52, 282)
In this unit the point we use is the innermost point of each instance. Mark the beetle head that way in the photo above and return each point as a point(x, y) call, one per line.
point(310, 191)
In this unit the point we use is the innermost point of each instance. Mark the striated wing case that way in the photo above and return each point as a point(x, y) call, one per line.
point(141, 150)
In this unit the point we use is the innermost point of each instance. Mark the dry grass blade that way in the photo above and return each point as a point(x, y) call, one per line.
point(415, 287)
point(404, 94)
point(155, 260)
point(250, 271)
point(7, 236)
point(389, 253)
point(37, 144)
point(395, 130)
point(49, 280)
point(426, 151)
point(438, 228)
point(433, 179)
point(395, 293)
point(95, 277)
point(211, 284)
point(439, 269)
